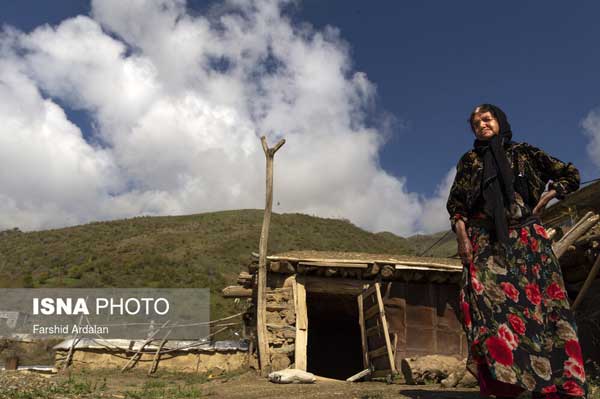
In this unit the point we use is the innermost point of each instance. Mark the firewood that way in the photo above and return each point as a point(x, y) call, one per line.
point(579, 229)
point(236, 291)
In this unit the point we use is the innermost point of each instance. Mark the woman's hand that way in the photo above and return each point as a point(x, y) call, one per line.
point(465, 249)
point(544, 199)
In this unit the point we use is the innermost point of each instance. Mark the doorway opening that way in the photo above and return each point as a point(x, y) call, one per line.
point(334, 347)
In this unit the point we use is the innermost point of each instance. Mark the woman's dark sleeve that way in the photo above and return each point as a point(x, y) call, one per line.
point(457, 200)
point(564, 177)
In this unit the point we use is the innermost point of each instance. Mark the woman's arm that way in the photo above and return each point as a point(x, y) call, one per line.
point(457, 208)
point(564, 177)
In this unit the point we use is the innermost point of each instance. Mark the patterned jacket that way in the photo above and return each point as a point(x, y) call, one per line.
point(528, 162)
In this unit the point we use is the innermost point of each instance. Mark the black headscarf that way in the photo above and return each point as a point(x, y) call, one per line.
point(498, 180)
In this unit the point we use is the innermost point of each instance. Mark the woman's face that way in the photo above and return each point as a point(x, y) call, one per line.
point(485, 126)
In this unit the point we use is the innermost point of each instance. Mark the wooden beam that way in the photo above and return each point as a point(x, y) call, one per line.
point(261, 318)
point(339, 286)
point(452, 264)
point(449, 269)
point(359, 375)
point(372, 331)
point(386, 333)
point(300, 356)
point(381, 351)
point(363, 335)
point(372, 311)
point(334, 264)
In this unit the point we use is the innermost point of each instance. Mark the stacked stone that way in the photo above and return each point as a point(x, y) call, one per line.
point(281, 327)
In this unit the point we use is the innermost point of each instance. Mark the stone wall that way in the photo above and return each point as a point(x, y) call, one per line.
point(281, 326)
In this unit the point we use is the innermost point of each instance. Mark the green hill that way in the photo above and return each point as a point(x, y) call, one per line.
point(204, 250)
point(441, 245)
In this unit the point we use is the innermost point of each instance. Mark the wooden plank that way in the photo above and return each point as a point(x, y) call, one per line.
point(375, 330)
point(339, 286)
point(369, 291)
point(359, 375)
point(386, 334)
point(372, 311)
point(381, 351)
point(363, 336)
point(433, 263)
point(334, 264)
point(300, 356)
point(449, 269)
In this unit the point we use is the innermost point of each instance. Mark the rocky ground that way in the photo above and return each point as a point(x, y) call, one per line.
point(247, 384)
point(21, 385)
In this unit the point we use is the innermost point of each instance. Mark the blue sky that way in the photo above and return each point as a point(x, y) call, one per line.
point(433, 61)
point(427, 63)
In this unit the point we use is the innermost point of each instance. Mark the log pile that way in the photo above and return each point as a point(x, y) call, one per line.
point(580, 255)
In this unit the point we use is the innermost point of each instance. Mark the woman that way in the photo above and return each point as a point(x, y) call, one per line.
point(513, 304)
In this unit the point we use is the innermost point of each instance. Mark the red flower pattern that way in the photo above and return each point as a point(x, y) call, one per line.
point(534, 244)
point(541, 231)
point(549, 389)
point(574, 369)
point(572, 388)
point(554, 291)
point(517, 324)
point(499, 350)
point(532, 291)
point(574, 350)
point(507, 335)
point(524, 235)
point(503, 345)
point(510, 291)
point(464, 306)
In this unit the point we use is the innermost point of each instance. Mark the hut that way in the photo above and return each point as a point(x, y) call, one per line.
point(336, 314)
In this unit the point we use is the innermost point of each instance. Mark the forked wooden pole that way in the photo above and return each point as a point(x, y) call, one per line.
point(261, 308)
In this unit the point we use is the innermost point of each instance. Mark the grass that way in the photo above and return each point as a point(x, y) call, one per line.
point(103, 383)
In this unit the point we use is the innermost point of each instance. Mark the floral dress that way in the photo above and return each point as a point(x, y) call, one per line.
point(513, 303)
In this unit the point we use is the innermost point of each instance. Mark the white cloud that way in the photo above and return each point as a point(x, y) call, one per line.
point(178, 103)
point(435, 216)
point(591, 126)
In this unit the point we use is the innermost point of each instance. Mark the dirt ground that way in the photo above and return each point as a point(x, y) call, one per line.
point(113, 384)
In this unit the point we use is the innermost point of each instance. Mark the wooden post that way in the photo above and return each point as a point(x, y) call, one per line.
point(261, 318)
point(300, 355)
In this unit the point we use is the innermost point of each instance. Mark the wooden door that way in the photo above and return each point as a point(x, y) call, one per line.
point(378, 354)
